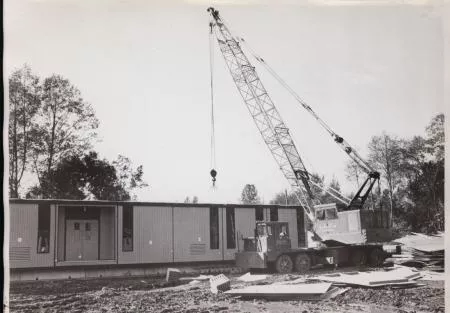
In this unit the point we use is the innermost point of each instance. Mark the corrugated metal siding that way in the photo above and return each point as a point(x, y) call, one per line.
point(245, 227)
point(191, 227)
point(23, 237)
point(20, 253)
point(155, 234)
point(129, 257)
point(290, 216)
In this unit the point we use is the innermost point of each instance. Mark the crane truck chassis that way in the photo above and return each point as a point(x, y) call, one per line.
point(271, 248)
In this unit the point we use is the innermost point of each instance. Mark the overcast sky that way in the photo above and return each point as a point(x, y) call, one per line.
point(144, 67)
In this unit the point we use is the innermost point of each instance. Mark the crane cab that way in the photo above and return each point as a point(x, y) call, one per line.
point(354, 226)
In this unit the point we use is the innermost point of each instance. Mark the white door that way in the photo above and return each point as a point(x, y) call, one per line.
point(81, 240)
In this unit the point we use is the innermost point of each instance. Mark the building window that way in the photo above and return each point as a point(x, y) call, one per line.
point(127, 228)
point(43, 244)
point(273, 214)
point(259, 214)
point(231, 229)
point(214, 228)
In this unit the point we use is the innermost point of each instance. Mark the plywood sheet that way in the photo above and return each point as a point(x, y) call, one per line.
point(373, 279)
point(283, 290)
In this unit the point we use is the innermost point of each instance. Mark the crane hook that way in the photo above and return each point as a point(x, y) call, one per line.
point(213, 174)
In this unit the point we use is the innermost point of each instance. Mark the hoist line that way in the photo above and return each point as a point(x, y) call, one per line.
point(211, 70)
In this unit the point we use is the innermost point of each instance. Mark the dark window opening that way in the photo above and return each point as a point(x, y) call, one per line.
point(301, 233)
point(214, 228)
point(127, 229)
point(320, 215)
point(76, 226)
point(231, 229)
point(331, 214)
point(273, 214)
point(259, 214)
point(43, 245)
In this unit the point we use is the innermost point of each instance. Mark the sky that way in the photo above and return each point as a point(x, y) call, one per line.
point(144, 66)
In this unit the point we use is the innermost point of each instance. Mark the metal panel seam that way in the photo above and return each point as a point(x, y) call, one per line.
point(173, 235)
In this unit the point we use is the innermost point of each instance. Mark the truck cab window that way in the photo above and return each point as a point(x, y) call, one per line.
point(331, 214)
point(260, 230)
point(320, 215)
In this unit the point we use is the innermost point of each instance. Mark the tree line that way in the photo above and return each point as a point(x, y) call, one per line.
point(51, 134)
point(412, 183)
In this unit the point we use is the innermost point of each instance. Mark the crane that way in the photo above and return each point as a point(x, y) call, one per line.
point(273, 129)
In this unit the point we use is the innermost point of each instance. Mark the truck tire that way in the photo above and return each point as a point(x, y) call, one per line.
point(358, 257)
point(284, 264)
point(302, 263)
point(377, 257)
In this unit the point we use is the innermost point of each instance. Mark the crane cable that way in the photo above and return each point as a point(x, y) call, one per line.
point(307, 107)
point(213, 172)
point(356, 158)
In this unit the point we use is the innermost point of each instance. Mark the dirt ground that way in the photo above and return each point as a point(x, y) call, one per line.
point(144, 294)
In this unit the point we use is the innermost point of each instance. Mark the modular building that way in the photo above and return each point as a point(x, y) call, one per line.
point(69, 234)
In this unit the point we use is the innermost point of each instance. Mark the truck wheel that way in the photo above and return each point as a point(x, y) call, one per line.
point(377, 257)
point(302, 263)
point(284, 264)
point(358, 257)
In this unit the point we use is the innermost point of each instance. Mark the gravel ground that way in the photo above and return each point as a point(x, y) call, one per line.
point(155, 295)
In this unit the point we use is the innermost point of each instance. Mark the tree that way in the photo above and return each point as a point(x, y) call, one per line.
point(84, 177)
point(195, 199)
point(129, 177)
point(23, 104)
point(285, 198)
point(436, 137)
point(353, 172)
point(249, 195)
point(423, 166)
point(65, 126)
point(385, 155)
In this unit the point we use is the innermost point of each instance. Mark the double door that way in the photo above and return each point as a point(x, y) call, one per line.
point(82, 240)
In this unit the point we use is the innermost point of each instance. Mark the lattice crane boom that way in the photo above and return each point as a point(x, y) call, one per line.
point(267, 119)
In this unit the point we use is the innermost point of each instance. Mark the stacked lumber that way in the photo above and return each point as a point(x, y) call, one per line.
point(421, 251)
point(397, 277)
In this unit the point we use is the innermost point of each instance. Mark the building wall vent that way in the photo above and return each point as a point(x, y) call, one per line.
point(197, 249)
point(20, 253)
